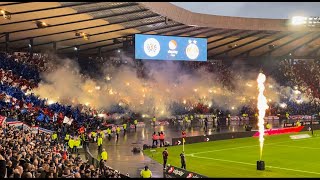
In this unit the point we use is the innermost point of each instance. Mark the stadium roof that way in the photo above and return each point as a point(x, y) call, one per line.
point(109, 23)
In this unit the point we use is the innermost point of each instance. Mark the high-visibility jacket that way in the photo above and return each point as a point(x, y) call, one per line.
point(298, 123)
point(201, 116)
point(154, 119)
point(93, 134)
point(104, 155)
point(268, 126)
point(54, 136)
point(99, 142)
point(191, 117)
point(135, 122)
point(154, 137)
point(161, 137)
point(102, 133)
point(77, 142)
point(71, 143)
point(109, 131)
point(186, 118)
point(229, 115)
point(118, 129)
point(124, 126)
point(83, 137)
point(146, 173)
point(287, 115)
point(67, 137)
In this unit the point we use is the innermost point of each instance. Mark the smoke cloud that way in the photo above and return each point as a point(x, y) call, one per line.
point(166, 83)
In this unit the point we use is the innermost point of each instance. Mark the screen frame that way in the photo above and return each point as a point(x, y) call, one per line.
point(134, 48)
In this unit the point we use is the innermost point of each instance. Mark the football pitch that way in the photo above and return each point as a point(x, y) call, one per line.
point(283, 156)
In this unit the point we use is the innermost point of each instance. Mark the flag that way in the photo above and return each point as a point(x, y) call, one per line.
point(40, 117)
point(55, 117)
point(65, 120)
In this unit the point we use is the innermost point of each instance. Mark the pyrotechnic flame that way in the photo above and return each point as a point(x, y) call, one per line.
point(262, 107)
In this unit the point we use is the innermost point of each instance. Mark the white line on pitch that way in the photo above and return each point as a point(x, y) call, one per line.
point(232, 148)
point(310, 172)
point(247, 146)
point(302, 147)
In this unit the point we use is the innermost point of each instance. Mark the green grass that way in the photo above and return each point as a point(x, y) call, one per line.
point(283, 157)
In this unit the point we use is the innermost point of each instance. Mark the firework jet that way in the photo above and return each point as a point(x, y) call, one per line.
point(262, 107)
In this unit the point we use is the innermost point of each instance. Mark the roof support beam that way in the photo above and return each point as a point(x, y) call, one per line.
point(218, 34)
point(185, 31)
point(11, 4)
point(277, 47)
point(300, 46)
point(74, 30)
point(203, 32)
point(314, 52)
point(92, 19)
point(170, 30)
point(72, 14)
point(106, 32)
point(264, 44)
point(230, 35)
point(238, 39)
point(52, 8)
point(239, 46)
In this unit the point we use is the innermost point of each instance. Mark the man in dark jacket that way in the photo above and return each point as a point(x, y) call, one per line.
point(183, 160)
point(165, 157)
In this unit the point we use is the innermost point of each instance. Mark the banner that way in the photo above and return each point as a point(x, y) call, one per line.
point(213, 137)
point(280, 131)
point(301, 117)
point(45, 130)
point(175, 172)
point(14, 122)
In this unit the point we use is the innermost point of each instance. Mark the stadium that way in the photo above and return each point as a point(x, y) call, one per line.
point(152, 89)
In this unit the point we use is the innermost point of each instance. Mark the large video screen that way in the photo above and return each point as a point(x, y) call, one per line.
point(157, 47)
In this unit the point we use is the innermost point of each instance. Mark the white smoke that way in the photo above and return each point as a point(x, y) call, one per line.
point(167, 82)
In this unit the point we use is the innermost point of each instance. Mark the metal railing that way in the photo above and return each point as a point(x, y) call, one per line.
point(95, 162)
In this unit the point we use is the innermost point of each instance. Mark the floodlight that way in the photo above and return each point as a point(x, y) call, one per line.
point(84, 35)
point(299, 20)
point(5, 14)
point(41, 24)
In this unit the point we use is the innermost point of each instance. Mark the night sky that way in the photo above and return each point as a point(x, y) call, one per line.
point(273, 10)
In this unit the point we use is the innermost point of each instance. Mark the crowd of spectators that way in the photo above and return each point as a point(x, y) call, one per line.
point(27, 155)
point(34, 155)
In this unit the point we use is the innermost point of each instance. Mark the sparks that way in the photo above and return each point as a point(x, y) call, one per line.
point(262, 107)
